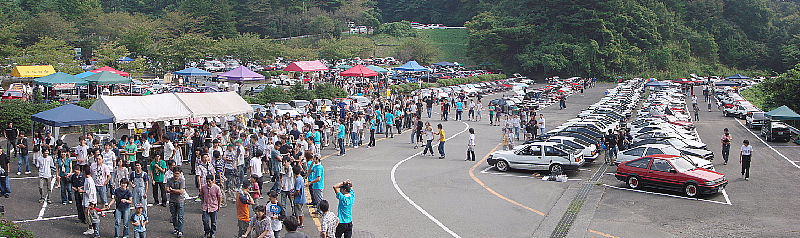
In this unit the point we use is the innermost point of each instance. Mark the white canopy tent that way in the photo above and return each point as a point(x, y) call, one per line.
point(171, 106)
point(151, 108)
point(214, 104)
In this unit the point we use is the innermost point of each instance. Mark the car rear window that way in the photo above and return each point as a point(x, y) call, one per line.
point(640, 163)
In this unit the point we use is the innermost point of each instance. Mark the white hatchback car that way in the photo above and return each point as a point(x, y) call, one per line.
point(550, 156)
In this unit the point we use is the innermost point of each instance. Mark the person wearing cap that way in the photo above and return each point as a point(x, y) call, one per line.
point(139, 220)
point(211, 196)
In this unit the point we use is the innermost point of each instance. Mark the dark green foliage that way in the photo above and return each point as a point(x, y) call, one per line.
point(270, 95)
point(397, 29)
point(622, 37)
point(778, 91)
point(328, 91)
point(20, 112)
point(12, 230)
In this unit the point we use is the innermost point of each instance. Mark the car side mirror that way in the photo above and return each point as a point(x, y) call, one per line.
point(673, 171)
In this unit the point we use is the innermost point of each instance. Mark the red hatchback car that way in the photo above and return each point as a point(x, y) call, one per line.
point(671, 172)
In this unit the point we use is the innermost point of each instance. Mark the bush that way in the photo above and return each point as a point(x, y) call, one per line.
point(86, 103)
point(11, 230)
point(270, 95)
point(273, 73)
point(328, 91)
point(19, 112)
point(397, 29)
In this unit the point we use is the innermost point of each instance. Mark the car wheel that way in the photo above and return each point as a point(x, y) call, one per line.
point(690, 190)
point(556, 169)
point(502, 166)
point(633, 182)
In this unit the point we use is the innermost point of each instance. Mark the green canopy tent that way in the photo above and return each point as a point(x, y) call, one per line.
point(377, 69)
point(107, 77)
point(60, 78)
point(783, 113)
point(342, 66)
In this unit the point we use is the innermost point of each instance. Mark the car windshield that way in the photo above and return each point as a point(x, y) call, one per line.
point(566, 148)
point(573, 144)
point(683, 165)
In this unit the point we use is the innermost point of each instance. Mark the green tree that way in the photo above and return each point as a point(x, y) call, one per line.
point(270, 95)
point(217, 16)
point(249, 48)
point(327, 27)
point(419, 50)
point(136, 68)
point(49, 24)
point(49, 51)
point(300, 92)
point(349, 47)
point(397, 29)
point(109, 52)
point(328, 91)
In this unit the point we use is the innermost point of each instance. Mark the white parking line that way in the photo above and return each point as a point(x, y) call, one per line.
point(727, 202)
point(44, 203)
point(408, 199)
point(55, 218)
point(20, 178)
point(765, 143)
point(787, 146)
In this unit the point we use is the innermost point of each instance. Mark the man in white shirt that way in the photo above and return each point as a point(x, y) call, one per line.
point(102, 176)
point(46, 166)
point(256, 168)
point(745, 156)
point(82, 152)
point(169, 150)
point(109, 156)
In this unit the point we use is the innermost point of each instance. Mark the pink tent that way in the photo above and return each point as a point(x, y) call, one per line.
point(306, 66)
point(242, 74)
point(113, 70)
point(359, 71)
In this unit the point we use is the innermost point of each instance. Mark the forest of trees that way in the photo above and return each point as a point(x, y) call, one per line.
point(668, 38)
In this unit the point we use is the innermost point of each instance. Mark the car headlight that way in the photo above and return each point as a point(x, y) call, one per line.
point(710, 182)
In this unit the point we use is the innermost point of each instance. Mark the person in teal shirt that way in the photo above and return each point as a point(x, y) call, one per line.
point(317, 180)
point(340, 137)
point(389, 123)
point(398, 114)
point(347, 199)
point(373, 125)
point(459, 110)
point(379, 117)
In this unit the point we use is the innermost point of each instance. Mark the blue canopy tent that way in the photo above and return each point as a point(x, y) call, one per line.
point(412, 66)
point(85, 74)
point(125, 59)
point(71, 115)
point(738, 76)
point(193, 72)
point(727, 83)
point(444, 63)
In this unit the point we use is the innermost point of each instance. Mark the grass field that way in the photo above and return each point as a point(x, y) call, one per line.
point(452, 43)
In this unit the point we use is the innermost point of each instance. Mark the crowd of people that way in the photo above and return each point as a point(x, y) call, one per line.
point(268, 166)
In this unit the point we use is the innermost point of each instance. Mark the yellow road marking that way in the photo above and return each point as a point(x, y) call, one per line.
point(495, 193)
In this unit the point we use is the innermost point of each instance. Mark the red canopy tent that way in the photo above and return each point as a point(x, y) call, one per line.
point(306, 66)
point(359, 71)
point(113, 70)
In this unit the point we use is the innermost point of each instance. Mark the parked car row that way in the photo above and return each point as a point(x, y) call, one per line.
point(734, 105)
point(666, 151)
point(576, 142)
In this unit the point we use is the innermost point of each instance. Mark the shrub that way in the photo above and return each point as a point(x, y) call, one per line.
point(11, 230)
point(20, 112)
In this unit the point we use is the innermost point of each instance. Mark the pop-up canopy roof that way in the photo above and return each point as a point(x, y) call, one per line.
point(60, 78)
point(783, 113)
point(113, 70)
point(32, 71)
point(71, 115)
point(193, 72)
point(242, 74)
point(359, 71)
point(412, 66)
point(306, 66)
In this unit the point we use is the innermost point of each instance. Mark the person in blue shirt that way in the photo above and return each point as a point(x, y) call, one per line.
point(459, 110)
point(399, 121)
point(389, 123)
point(347, 198)
point(316, 178)
point(379, 118)
point(342, 134)
point(373, 125)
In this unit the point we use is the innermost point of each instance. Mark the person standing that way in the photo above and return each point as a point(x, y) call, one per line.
point(340, 137)
point(158, 167)
point(176, 187)
point(243, 203)
point(261, 225)
point(140, 221)
point(696, 113)
point(429, 105)
point(4, 161)
point(299, 194)
point(541, 124)
point(745, 157)
point(442, 139)
point(459, 110)
point(347, 199)
point(329, 221)
point(428, 137)
point(122, 211)
point(22, 147)
point(492, 110)
point(77, 179)
point(139, 179)
point(292, 224)
point(610, 142)
point(694, 101)
point(102, 176)
point(471, 145)
point(11, 133)
point(726, 145)
point(46, 167)
point(211, 196)
point(89, 198)
point(316, 180)
point(389, 123)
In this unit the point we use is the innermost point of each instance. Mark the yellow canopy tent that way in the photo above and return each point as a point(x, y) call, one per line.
point(32, 71)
